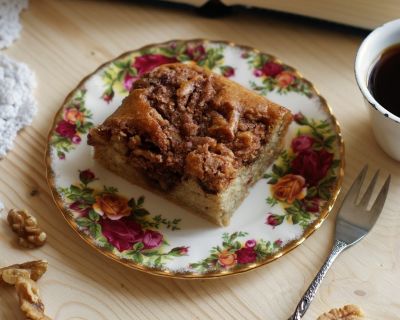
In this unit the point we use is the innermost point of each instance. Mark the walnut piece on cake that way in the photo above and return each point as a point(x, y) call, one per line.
point(198, 138)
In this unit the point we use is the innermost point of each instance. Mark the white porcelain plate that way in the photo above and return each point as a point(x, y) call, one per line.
point(144, 231)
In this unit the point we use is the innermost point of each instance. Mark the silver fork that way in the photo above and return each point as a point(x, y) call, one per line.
point(353, 222)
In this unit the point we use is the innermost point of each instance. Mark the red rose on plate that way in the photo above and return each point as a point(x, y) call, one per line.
point(312, 165)
point(66, 129)
point(86, 176)
point(179, 251)
point(122, 233)
point(246, 255)
point(228, 72)
point(300, 118)
point(148, 62)
point(271, 69)
point(152, 239)
point(183, 251)
point(302, 143)
point(274, 220)
point(81, 207)
point(313, 205)
point(196, 53)
point(108, 96)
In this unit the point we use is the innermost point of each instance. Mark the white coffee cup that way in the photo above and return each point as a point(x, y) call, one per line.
point(385, 125)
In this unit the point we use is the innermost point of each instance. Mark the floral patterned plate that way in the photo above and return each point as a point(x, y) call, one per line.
point(146, 232)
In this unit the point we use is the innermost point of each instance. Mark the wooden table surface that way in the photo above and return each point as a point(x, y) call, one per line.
point(62, 41)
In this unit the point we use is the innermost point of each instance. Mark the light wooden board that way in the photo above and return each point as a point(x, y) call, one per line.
point(62, 41)
point(360, 13)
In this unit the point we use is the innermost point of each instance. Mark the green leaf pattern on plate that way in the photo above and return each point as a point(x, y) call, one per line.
point(119, 225)
point(303, 176)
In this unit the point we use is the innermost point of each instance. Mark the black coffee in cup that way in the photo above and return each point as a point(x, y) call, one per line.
point(384, 80)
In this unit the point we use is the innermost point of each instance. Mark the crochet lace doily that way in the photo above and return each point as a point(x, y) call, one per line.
point(9, 20)
point(17, 104)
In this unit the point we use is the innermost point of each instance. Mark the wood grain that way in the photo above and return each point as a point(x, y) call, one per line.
point(367, 14)
point(62, 41)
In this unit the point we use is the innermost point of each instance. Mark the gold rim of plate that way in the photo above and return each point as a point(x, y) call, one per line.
point(213, 274)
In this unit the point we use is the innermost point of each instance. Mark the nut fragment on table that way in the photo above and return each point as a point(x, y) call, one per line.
point(21, 276)
point(35, 269)
point(348, 312)
point(11, 275)
point(26, 227)
point(29, 299)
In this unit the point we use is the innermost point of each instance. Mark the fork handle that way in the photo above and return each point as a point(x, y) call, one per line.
point(309, 295)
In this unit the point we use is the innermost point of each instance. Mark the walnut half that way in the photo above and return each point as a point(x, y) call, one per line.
point(29, 299)
point(21, 276)
point(35, 269)
point(349, 312)
point(27, 229)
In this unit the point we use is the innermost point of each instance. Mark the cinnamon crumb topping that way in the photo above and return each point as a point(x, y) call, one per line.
point(182, 121)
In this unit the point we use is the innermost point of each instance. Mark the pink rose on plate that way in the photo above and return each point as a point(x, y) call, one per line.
point(271, 69)
point(302, 143)
point(128, 81)
point(246, 255)
point(66, 129)
point(250, 243)
point(152, 239)
point(148, 62)
point(258, 72)
point(123, 233)
point(76, 139)
point(312, 165)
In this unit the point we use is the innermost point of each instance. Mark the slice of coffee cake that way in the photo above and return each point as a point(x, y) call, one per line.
point(197, 138)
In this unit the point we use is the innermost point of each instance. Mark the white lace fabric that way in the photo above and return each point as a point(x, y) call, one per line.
point(17, 81)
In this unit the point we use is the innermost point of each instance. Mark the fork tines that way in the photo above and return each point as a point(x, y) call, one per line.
point(355, 189)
